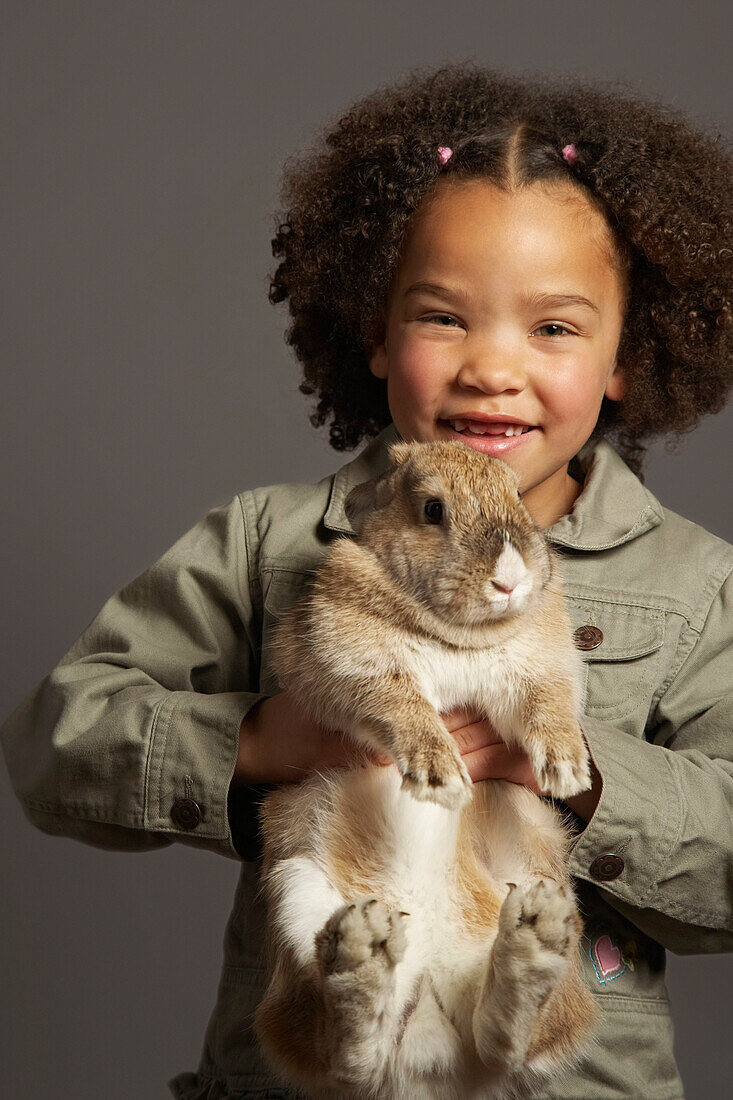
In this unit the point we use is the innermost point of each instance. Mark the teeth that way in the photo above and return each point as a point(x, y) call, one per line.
point(510, 430)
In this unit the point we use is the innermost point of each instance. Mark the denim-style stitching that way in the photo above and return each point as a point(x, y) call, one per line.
point(601, 979)
point(149, 760)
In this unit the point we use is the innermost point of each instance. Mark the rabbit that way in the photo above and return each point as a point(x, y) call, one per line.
point(422, 930)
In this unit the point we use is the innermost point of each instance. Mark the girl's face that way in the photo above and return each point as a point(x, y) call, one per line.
point(485, 338)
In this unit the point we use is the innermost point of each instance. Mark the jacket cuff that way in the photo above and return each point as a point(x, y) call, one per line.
point(193, 751)
point(637, 821)
point(244, 819)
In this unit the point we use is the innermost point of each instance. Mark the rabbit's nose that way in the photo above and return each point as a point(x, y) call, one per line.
point(509, 570)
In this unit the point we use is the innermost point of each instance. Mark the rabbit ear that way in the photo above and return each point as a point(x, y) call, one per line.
point(516, 478)
point(399, 453)
point(359, 503)
point(364, 498)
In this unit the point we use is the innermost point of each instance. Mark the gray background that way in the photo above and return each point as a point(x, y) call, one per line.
point(145, 380)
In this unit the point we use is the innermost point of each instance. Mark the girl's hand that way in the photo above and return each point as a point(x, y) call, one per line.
point(484, 753)
point(487, 757)
point(278, 743)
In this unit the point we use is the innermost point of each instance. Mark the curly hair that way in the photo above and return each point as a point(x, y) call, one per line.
point(663, 186)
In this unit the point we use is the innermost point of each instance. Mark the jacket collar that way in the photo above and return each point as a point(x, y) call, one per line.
point(372, 462)
point(613, 508)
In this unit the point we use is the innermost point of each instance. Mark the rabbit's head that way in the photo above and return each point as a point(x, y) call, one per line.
point(446, 523)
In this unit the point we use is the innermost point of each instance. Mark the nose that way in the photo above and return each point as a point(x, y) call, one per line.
point(509, 570)
point(492, 367)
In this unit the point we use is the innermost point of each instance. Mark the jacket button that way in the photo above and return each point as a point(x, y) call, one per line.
point(588, 637)
point(186, 813)
point(606, 867)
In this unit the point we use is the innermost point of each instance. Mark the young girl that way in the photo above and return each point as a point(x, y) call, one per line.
point(534, 269)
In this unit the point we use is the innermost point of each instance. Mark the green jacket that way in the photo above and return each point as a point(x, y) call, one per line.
point(131, 742)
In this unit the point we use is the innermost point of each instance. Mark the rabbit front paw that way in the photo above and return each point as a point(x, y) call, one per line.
point(437, 774)
point(562, 772)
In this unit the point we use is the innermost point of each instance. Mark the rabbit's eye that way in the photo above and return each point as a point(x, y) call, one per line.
point(433, 511)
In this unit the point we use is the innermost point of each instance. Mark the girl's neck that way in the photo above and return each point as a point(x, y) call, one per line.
point(547, 508)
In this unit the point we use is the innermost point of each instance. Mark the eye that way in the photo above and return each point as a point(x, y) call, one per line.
point(559, 330)
point(444, 320)
point(433, 511)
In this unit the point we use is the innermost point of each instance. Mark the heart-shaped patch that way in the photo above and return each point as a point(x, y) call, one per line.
point(608, 962)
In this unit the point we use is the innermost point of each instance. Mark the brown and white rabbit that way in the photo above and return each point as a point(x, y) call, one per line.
point(423, 932)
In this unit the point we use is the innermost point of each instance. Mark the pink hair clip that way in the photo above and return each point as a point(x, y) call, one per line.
point(444, 154)
point(570, 154)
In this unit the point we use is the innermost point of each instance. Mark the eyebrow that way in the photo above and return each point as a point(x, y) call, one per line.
point(560, 300)
point(435, 288)
point(538, 299)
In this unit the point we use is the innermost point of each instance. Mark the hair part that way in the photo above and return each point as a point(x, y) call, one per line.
point(662, 187)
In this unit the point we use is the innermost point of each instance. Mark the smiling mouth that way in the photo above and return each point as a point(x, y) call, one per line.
point(479, 428)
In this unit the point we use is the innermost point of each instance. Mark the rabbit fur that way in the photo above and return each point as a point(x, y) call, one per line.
point(422, 930)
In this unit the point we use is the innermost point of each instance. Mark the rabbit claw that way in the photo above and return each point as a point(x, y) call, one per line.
point(440, 777)
point(562, 776)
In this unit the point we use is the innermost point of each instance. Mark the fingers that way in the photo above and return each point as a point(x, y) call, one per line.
point(471, 734)
point(471, 738)
point(498, 761)
point(457, 719)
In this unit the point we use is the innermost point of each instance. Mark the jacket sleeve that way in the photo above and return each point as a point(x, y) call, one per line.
point(131, 741)
point(666, 807)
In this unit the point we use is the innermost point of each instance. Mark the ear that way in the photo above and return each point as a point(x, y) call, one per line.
point(366, 497)
point(615, 385)
point(515, 477)
point(359, 503)
point(399, 453)
point(377, 357)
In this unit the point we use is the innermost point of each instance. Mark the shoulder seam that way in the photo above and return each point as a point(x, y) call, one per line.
point(690, 637)
point(251, 548)
point(717, 578)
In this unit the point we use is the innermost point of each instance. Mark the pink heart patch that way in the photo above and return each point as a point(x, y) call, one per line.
point(607, 959)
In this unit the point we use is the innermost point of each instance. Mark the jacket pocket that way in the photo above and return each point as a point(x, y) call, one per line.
point(624, 665)
point(630, 1054)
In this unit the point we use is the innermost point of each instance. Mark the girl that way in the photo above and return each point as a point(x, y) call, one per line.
point(539, 270)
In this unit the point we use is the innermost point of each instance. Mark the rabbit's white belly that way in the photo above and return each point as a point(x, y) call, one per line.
point(444, 963)
point(419, 860)
point(437, 980)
